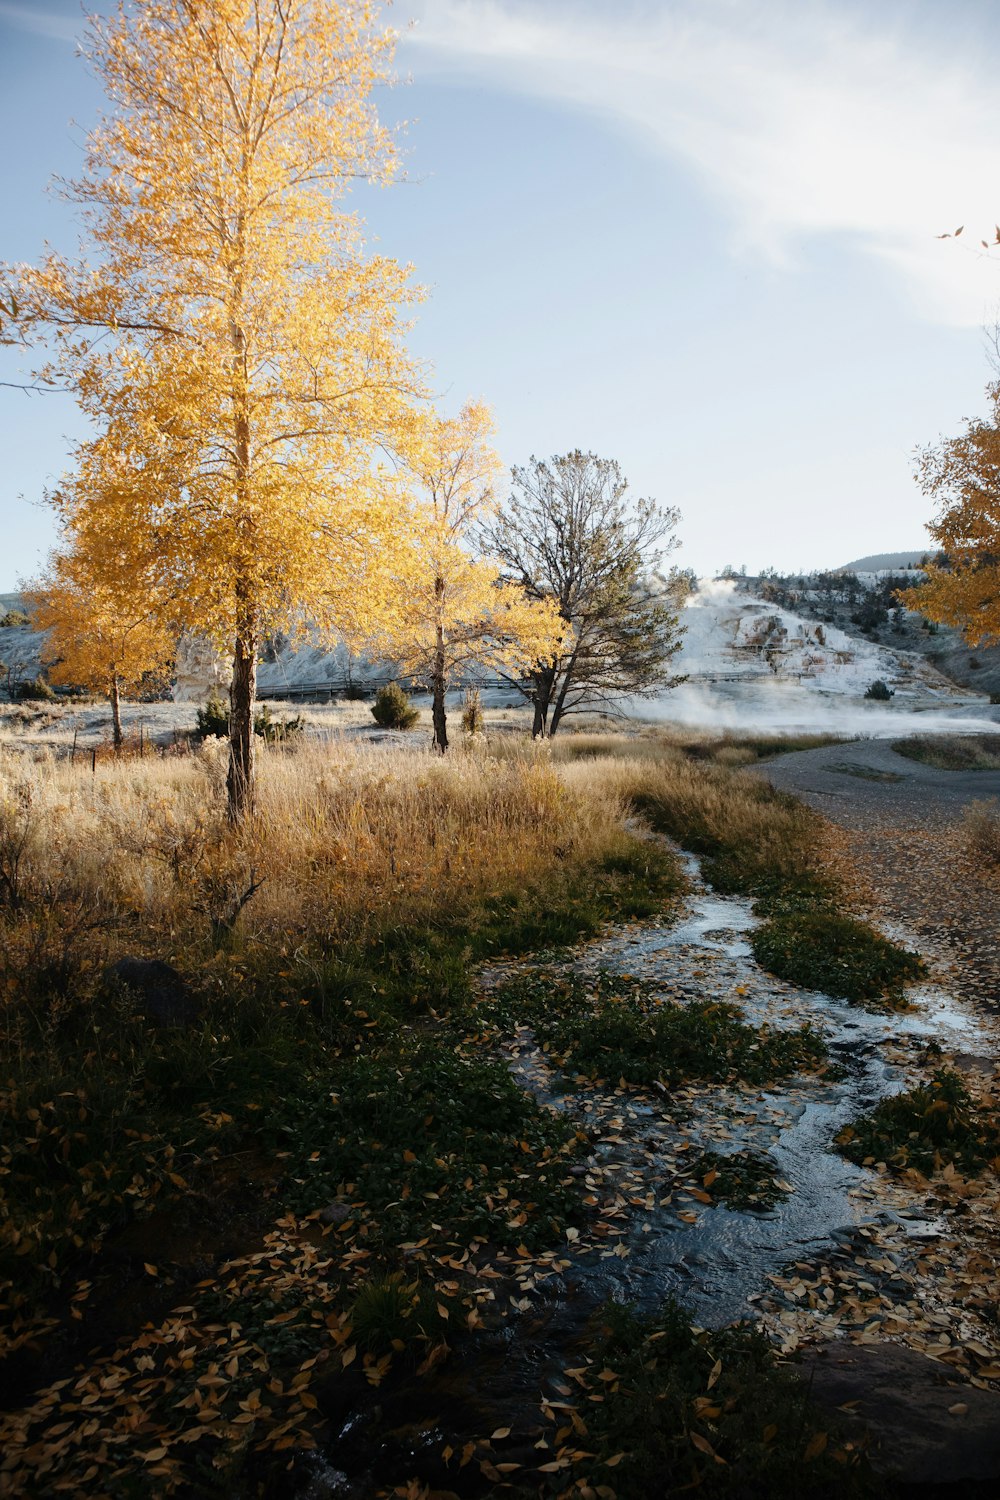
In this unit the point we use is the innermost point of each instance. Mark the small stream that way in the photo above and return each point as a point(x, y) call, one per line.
point(649, 1234)
point(717, 1259)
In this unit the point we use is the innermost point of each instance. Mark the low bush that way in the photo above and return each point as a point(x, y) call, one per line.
point(212, 722)
point(928, 1127)
point(212, 719)
point(34, 690)
point(13, 618)
point(981, 832)
point(837, 955)
point(390, 1312)
point(392, 708)
point(277, 731)
point(879, 690)
point(473, 717)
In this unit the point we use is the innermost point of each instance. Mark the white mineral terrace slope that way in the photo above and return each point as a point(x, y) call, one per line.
point(729, 634)
point(752, 665)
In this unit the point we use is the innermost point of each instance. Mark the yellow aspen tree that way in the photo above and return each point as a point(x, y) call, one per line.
point(457, 612)
point(104, 627)
point(240, 356)
point(962, 475)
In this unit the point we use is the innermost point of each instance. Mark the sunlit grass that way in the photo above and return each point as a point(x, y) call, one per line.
point(953, 752)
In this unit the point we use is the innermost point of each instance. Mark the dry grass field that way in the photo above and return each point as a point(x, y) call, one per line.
point(333, 1052)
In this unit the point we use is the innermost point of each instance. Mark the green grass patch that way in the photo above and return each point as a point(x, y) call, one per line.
point(952, 752)
point(89, 1144)
point(426, 1135)
point(638, 880)
point(412, 970)
point(758, 747)
point(105, 1117)
point(928, 1127)
point(611, 1028)
point(867, 773)
point(678, 1410)
point(762, 843)
point(750, 837)
point(836, 955)
point(85, 1148)
point(741, 1179)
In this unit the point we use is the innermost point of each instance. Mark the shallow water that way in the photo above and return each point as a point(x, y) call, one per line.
point(717, 1263)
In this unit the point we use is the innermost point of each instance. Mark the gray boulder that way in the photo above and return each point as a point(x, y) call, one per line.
point(927, 1424)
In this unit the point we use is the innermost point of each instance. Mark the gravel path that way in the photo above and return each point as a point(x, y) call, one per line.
point(903, 821)
point(866, 781)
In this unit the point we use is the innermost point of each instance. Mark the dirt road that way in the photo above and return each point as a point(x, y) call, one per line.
point(904, 821)
point(861, 781)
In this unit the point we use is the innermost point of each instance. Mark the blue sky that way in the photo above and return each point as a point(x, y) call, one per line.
point(697, 236)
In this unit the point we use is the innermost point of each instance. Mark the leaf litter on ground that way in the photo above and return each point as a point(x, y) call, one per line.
point(235, 1366)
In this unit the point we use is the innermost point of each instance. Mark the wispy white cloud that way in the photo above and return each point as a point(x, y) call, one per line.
point(41, 22)
point(804, 119)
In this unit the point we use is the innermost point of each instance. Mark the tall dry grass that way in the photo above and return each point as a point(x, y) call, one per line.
point(353, 840)
point(362, 857)
point(347, 840)
point(751, 833)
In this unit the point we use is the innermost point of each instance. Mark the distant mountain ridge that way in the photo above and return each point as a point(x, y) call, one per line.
point(883, 562)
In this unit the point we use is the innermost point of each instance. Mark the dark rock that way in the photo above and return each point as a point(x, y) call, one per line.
point(334, 1213)
point(974, 1062)
point(163, 993)
point(928, 1425)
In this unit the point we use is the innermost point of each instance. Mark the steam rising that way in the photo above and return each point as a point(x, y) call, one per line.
point(754, 667)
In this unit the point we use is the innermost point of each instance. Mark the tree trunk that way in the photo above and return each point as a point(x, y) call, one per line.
point(538, 727)
point(558, 714)
point(543, 679)
point(440, 718)
point(440, 740)
point(116, 714)
point(568, 673)
point(240, 781)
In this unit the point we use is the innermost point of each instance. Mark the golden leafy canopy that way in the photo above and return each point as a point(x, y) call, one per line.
point(962, 474)
point(456, 610)
point(104, 618)
point(240, 356)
